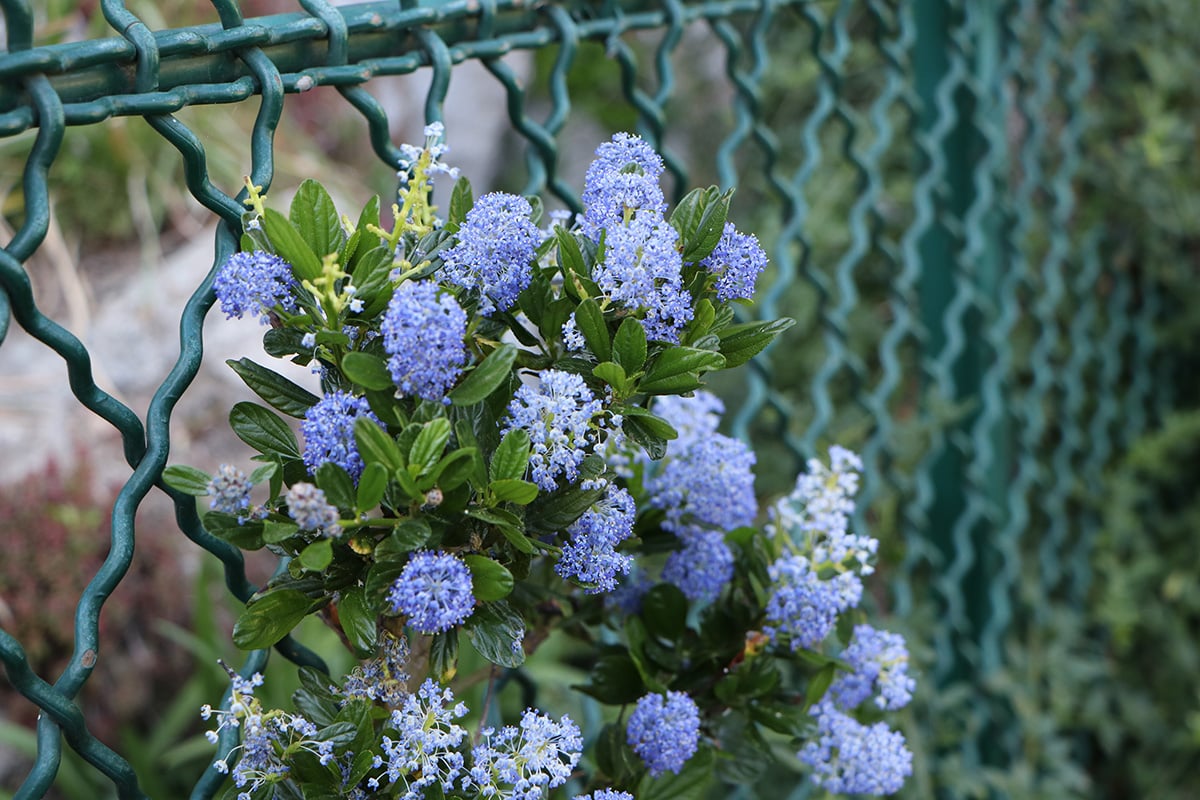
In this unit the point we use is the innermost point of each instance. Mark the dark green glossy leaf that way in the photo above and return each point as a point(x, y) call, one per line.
point(615, 757)
point(275, 532)
point(664, 610)
point(509, 526)
point(314, 214)
point(188, 480)
point(691, 783)
point(614, 680)
point(247, 535)
point(590, 320)
point(453, 468)
point(337, 485)
point(496, 631)
point(819, 684)
point(740, 343)
point(270, 617)
point(629, 346)
point(263, 430)
point(511, 457)
point(290, 245)
point(371, 486)
point(368, 371)
point(461, 200)
point(430, 443)
point(674, 370)
point(708, 228)
point(490, 580)
point(317, 556)
point(491, 373)
point(376, 446)
point(510, 490)
point(276, 390)
point(358, 620)
point(611, 373)
point(409, 535)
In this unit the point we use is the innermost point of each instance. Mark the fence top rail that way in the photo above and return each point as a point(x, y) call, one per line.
point(203, 64)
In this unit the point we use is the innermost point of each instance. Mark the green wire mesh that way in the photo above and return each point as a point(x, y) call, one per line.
point(912, 167)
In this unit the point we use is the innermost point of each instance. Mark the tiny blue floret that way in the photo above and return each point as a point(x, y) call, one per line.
point(557, 414)
point(623, 177)
point(230, 490)
point(702, 567)
point(848, 757)
point(591, 556)
point(737, 261)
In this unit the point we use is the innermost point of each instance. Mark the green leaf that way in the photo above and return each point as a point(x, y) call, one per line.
point(555, 512)
point(315, 215)
point(490, 580)
point(709, 227)
point(260, 474)
point(496, 631)
point(443, 655)
point(369, 216)
point(511, 457)
point(450, 472)
point(614, 680)
point(611, 373)
point(317, 556)
point(285, 342)
point(819, 684)
point(675, 369)
point(511, 490)
point(358, 620)
point(664, 610)
point(651, 433)
point(570, 259)
point(263, 430)
point(270, 617)
point(276, 390)
point(629, 346)
point(740, 343)
point(485, 378)
point(508, 525)
point(615, 757)
point(590, 320)
point(188, 480)
point(407, 536)
point(337, 485)
point(274, 532)
point(368, 371)
point(246, 535)
point(461, 201)
point(635, 635)
point(371, 486)
point(691, 783)
point(290, 245)
point(429, 445)
point(376, 446)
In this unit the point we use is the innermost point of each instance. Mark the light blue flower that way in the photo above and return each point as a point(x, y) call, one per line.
point(434, 591)
point(664, 731)
point(495, 251)
point(254, 282)
point(848, 757)
point(424, 334)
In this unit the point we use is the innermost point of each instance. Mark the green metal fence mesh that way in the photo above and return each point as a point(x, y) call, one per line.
point(911, 166)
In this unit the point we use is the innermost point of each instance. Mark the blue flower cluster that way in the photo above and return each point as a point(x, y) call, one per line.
point(328, 429)
point(624, 177)
point(706, 483)
point(848, 757)
point(266, 735)
point(816, 515)
point(557, 414)
point(737, 261)
point(664, 731)
point(531, 759)
point(495, 251)
point(310, 510)
point(804, 608)
point(693, 418)
point(425, 751)
point(423, 333)
point(642, 271)
point(230, 491)
point(702, 567)
point(383, 678)
point(605, 794)
point(591, 556)
point(434, 591)
point(254, 282)
point(877, 659)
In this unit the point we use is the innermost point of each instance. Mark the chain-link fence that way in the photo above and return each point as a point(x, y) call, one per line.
point(911, 167)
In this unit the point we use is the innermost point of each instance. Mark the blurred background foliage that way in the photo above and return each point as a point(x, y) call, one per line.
point(1100, 689)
